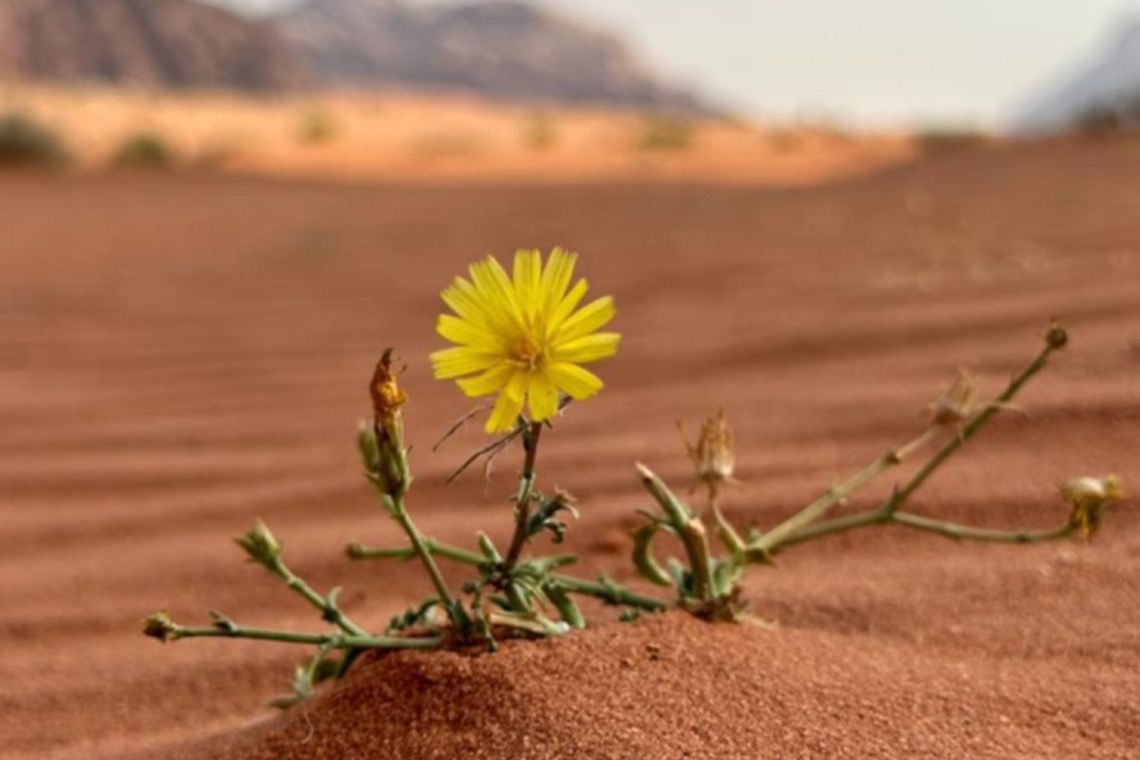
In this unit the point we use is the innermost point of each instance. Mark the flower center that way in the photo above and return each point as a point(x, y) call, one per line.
point(527, 353)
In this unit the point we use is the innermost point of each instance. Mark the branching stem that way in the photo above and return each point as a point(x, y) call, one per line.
point(326, 641)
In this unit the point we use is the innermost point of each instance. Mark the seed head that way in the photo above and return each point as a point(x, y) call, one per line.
point(956, 403)
point(712, 453)
point(158, 625)
point(1089, 497)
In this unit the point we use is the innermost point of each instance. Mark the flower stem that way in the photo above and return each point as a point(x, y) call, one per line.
point(400, 514)
point(326, 604)
point(530, 440)
point(888, 510)
point(327, 641)
point(822, 505)
point(796, 529)
point(606, 590)
point(948, 529)
point(688, 527)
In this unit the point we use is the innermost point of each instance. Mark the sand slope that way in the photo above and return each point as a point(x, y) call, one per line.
point(180, 355)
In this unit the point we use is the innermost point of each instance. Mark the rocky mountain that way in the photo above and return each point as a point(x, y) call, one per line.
point(161, 43)
point(1103, 91)
point(501, 48)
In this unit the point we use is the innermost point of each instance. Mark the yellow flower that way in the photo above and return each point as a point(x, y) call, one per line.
point(1089, 498)
point(523, 337)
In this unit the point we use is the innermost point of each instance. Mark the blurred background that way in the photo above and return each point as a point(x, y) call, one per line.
point(214, 216)
point(727, 89)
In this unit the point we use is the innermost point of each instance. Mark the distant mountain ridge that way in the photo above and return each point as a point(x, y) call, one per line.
point(161, 43)
point(1107, 87)
point(501, 48)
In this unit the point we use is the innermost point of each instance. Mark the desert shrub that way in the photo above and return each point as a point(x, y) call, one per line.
point(948, 140)
point(25, 141)
point(1099, 121)
point(504, 329)
point(143, 150)
point(317, 126)
point(665, 133)
point(539, 132)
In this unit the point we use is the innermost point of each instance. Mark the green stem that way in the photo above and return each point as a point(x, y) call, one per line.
point(948, 529)
point(326, 604)
point(826, 501)
point(329, 641)
point(607, 591)
point(530, 441)
point(357, 551)
point(420, 548)
point(778, 538)
point(971, 428)
point(688, 527)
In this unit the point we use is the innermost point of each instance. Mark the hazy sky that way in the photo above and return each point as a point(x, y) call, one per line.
point(873, 62)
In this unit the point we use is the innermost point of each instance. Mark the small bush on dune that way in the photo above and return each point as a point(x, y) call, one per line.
point(25, 141)
point(539, 132)
point(143, 150)
point(317, 127)
point(666, 133)
point(948, 140)
point(521, 339)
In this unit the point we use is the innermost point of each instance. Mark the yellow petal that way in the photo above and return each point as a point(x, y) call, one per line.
point(493, 380)
point(568, 303)
point(555, 279)
point(496, 293)
point(542, 397)
point(460, 331)
point(461, 297)
point(588, 349)
point(574, 381)
point(461, 360)
point(527, 272)
point(586, 320)
point(505, 414)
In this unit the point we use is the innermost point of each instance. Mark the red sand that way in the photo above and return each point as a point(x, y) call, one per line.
point(179, 355)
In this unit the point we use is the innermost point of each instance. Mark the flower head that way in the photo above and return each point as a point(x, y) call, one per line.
point(1089, 497)
point(523, 337)
point(956, 403)
point(712, 453)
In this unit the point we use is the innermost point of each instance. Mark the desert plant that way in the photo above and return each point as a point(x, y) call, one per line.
point(539, 132)
point(522, 338)
point(143, 150)
point(948, 140)
point(25, 141)
point(665, 133)
point(317, 126)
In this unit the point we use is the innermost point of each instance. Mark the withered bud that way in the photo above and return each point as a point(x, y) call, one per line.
point(260, 544)
point(387, 396)
point(383, 446)
point(158, 625)
point(1056, 336)
point(956, 403)
point(1090, 497)
point(712, 453)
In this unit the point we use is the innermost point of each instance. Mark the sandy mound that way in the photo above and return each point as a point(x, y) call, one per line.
point(672, 687)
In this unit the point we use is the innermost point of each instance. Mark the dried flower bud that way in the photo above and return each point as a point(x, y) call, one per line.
point(712, 453)
point(387, 396)
point(1056, 336)
point(260, 545)
point(1090, 497)
point(383, 450)
point(956, 403)
point(159, 626)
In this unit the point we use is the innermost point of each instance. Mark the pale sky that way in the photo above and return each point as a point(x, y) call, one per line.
point(867, 62)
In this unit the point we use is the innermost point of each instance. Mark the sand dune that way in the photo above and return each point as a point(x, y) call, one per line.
point(182, 354)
